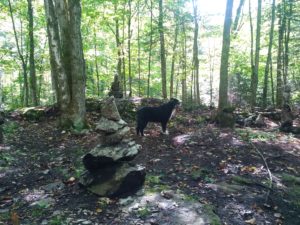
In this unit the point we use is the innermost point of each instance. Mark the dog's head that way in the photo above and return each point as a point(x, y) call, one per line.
point(175, 102)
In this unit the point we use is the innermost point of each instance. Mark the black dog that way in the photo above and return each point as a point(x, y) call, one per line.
point(160, 114)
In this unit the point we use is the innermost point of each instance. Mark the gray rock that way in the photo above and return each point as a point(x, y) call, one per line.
point(260, 121)
point(109, 109)
point(121, 180)
point(103, 156)
point(110, 126)
point(55, 186)
point(117, 137)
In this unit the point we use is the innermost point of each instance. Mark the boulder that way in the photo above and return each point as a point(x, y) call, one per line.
point(109, 109)
point(119, 180)
point(105, 156)
point(110, 126)
point(33, 113)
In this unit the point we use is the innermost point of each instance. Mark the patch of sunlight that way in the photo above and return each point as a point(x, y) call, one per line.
point(173, 209)
point(181, 139)
point(33, 195)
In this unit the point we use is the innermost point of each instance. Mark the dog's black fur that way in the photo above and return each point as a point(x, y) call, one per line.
point(160, 114)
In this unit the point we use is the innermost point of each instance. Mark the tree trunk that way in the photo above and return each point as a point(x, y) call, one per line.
point(162, 51)
point(123, 54)
point(237, 17)
point(129, 49)
point(279, 88)
point(254, 79)
point(118, 43)
point(223, 86)
point(195, 55)
point(288, 16)
point(139, 48)
point(96, 63)
point(23, 61)
point(265, 89)
point(184, 56)
point(67, 62)
point(174, 56)
point(150, 49)
point(31, 56)
point(211, 73)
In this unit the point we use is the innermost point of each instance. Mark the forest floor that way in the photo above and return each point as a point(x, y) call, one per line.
point(198, 174)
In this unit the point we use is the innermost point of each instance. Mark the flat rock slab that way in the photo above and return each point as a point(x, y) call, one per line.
point(104, 156)
point(110, 126)
point(121, 180)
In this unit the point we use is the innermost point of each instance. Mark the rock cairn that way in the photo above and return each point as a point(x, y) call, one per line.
point(108, 168)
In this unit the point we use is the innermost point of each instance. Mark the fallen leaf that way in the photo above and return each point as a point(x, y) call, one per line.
point(15, 218)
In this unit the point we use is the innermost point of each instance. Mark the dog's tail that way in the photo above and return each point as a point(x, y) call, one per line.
point(137, 130)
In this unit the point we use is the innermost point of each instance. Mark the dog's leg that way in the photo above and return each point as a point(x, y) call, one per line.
point(164, 128)
point(142, 127)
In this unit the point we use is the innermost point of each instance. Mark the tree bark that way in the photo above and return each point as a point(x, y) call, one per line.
point(21, 56)
point(267, 68)
point(150, 49)
point(279, 88)
point(254, 78)
point(31, 55)
point(237, 17)
point(96, 63)
point(223, 86)
point(195, 54)
point(67, 61)
point(174, 56)
point(162, 51)
point(139, 48)
point(129, 48)
point(184, 66)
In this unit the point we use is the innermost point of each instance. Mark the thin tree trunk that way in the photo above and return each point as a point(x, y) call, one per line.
point(287, 39)
point(118, 43)
point(123, 54)
point(272, 82)
point(279, 88)
point(265, 89)
point(150, 49)
point(237, 18)
point(184, 77)
point(24, 66)
point(162, 51)
point(129, 49)
point(254, 80)
point(139, 48)
point(195, 55)
point(211, 73)
point(173, 57)
point(31, 55)
point(251, 48)
point(96, 63)
point(223, 86)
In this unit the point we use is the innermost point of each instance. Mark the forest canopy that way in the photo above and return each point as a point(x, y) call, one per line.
point(125, 38)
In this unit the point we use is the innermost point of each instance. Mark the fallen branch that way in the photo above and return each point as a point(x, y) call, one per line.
point(266, 164)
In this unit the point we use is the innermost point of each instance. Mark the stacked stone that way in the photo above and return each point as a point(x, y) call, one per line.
point(109, 172)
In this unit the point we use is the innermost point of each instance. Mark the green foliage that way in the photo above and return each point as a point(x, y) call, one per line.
point(58, 220)
point(144, 212)
point(9, 128)
point(250, 134)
